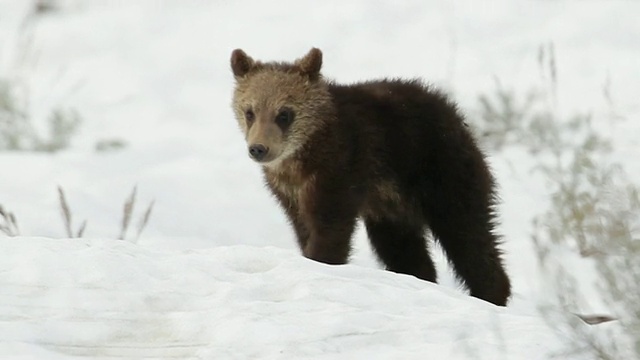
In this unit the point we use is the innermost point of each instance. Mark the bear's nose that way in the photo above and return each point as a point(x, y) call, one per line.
point(258, 151)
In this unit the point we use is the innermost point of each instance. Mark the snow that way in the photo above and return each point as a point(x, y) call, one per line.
point(114, 299)
point(216, 273)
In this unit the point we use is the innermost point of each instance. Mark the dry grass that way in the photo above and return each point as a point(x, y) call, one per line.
point(67, 217)
point(8, 223)
point(595, 209)
point(144, 220)
point(127, 214)
point(18, 128)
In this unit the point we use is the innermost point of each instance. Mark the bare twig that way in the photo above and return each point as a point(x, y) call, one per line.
point(144, 220)
point(128, 210)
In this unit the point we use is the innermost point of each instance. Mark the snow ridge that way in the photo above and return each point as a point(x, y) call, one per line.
point(110, 299)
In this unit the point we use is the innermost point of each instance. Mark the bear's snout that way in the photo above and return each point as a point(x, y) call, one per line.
point(258, 152)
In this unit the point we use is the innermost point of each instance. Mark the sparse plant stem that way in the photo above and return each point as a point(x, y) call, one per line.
point(127, 215)
point(594, 210)
point(127, 211)
point(17, 131)
point(66, 213)
point(67, 217)
point(144, 220)
point(9, 224)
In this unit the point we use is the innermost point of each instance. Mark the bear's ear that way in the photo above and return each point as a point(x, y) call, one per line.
point(311, 63)
point(241, 63)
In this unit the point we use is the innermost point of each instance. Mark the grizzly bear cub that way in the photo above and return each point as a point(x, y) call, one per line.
point(395, 153)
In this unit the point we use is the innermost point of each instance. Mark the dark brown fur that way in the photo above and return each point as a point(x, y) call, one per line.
point(393, 152)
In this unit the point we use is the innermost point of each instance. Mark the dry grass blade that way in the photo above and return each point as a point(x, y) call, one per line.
point(66, 213)
point(13, 223)
point(9, 225)
point(82, 228)
point(4, 227)
point(144, 220)
point(128, 210)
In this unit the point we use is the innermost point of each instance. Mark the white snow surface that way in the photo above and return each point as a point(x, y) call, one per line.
point(216, 273)
point(112, 299)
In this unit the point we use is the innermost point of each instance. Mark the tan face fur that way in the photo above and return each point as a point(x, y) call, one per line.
point(279, 105)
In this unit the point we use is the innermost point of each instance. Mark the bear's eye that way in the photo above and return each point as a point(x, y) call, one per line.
point(249, 115)
point(284, 118)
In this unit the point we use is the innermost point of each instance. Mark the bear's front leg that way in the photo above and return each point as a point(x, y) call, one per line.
point(329, 212)
point(293, 214)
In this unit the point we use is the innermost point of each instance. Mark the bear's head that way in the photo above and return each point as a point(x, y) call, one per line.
point(279, 105)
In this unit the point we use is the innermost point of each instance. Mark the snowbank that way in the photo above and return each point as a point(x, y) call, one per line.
point(103, 299)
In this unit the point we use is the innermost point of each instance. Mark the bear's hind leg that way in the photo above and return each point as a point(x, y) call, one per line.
point(401, 247)
point(472, 250)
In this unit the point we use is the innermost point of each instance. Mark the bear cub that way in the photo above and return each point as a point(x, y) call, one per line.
point(394, 153)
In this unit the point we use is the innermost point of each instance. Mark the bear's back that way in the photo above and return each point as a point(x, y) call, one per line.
point(398, 125)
